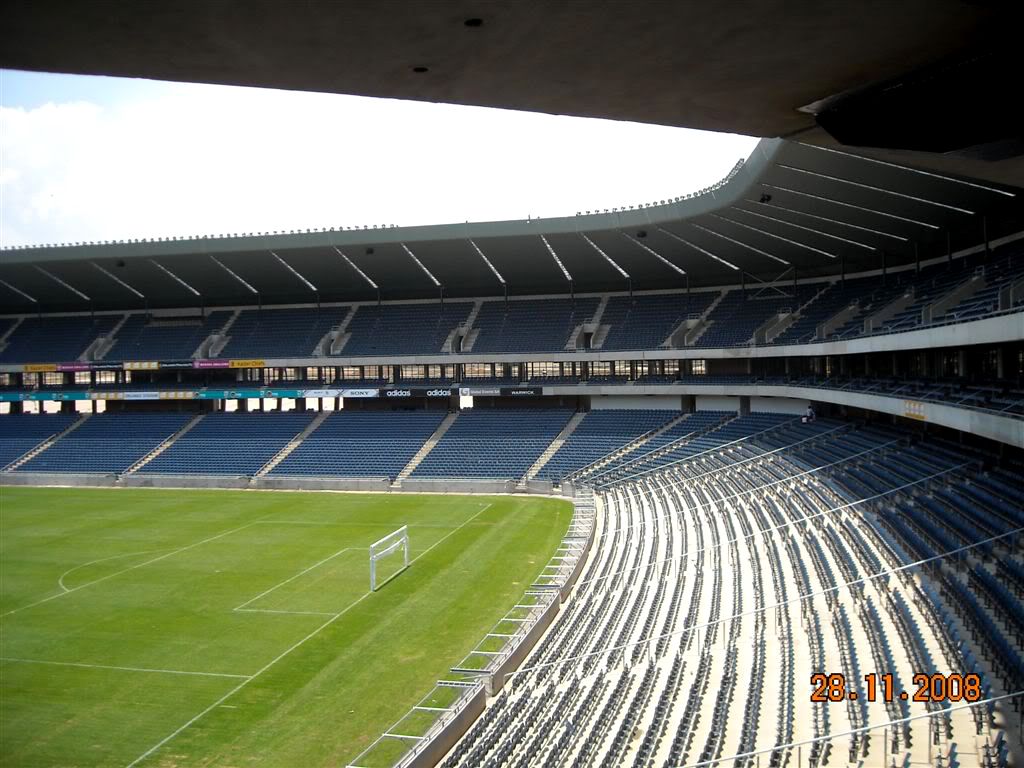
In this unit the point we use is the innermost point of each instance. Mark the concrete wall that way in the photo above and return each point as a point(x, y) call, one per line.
point(431, 752)
point(778, 405)
point(717, 403)
point(182, 481)
point(57, 479)
point(622, 402)
point(458, 486)
point(381, 485)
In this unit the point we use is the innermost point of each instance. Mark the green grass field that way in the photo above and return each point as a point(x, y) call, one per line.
point(223, 628)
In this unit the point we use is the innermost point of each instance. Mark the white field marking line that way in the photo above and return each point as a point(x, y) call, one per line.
point(126, 570)
point(451, 532)
point(248, 680)
point(60, 581)
point(292, 613)
point(293, 578)
point(274, 661)
point(122, 669)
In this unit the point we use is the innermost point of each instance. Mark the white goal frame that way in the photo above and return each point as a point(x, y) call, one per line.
point(382, 548)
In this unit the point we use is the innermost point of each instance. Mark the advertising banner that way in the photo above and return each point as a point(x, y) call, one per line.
point(360, 393)
point(39, 367)
point(141, 365)
point(247, 364)
point(73, 367)
point(209, 363)
point(480, 391)
point(521, 391)
point(320, 392)
point(105, 366)
point(176, 364)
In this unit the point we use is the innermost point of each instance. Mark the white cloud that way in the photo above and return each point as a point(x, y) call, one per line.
point(200, 160)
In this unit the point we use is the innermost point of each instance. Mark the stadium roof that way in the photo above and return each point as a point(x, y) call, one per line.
point(789, 206)
point(930, 75)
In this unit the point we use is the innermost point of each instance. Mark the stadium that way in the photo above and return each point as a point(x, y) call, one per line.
point(732, 478)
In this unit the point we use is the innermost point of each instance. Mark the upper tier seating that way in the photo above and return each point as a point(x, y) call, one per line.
point(230, 444)
point(145, 338)
point(55, 339)
point(20, 433)
point(538, 325)
point(601, 433)
point(493, 442)
point(403, 329)
point(108, 443)
point(280, 332)
point(361, 444)
point(740, 313)
point(644, 322)
point(834, 298)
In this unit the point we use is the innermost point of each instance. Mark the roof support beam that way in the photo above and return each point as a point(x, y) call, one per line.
point(696, 247)
point(918, 171)
point(607, 258)
point(777, 237)
point(558, 261)
point(295, 272)
point(487, 261)
point(357, 269)
point(421, 265)
point(873, 188)
point(174, 277)
point(18, 291)
point(62, 283)
point(857, 243)
point(658, 256)
point(826, 219)
point(851, 205)
point(117, 280)
point(740, 243)
point(234, 274)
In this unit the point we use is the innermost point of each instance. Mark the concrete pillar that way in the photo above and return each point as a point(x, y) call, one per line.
point(17, 407)
point(67, 406)
point(1000, 363)
point(744, 405)
point(961, 363)
point(300, 404)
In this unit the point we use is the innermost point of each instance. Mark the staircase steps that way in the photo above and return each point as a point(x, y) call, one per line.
point(212, 345)
point(557, 443)
point(102, 345)
point(46, 444)
point(427, 447)
point(335, 339)
point(294, 443)
point(163, 446)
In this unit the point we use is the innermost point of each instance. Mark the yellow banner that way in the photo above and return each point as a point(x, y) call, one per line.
point(247, 364)
point(40, 368)
point(141, 365)
point(913, 409)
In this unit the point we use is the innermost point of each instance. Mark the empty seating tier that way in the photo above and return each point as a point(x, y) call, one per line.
point(236, 444)
point(493, 443)
point(361, 444)
point(107, 443)
point(403, 329)
point(20, 433)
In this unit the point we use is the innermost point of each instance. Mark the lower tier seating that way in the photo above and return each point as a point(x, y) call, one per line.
point(229, 444)
point(493, 442)
point(107, 442)
point(361, 444)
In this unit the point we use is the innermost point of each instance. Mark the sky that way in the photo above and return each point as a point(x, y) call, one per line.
point(98, 158)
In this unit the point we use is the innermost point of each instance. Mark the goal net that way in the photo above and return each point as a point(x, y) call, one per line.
point(389, 556)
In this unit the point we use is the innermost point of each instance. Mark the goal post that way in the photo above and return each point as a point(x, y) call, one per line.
point(388, 547)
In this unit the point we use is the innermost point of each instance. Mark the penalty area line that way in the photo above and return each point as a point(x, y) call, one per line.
point(121, 669)
point(282, 655)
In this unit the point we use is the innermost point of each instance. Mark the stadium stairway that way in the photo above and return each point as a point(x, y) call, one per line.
point(685, 336)
point(550, 451)
point(428, 446)
point(46, 443)
point(163, 446)
point(216, 341)
point(632, 446)
point(295, 443)
point(103, 344)
point(469, 334)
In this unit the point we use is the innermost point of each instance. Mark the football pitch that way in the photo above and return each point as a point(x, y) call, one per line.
point(230, 628)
